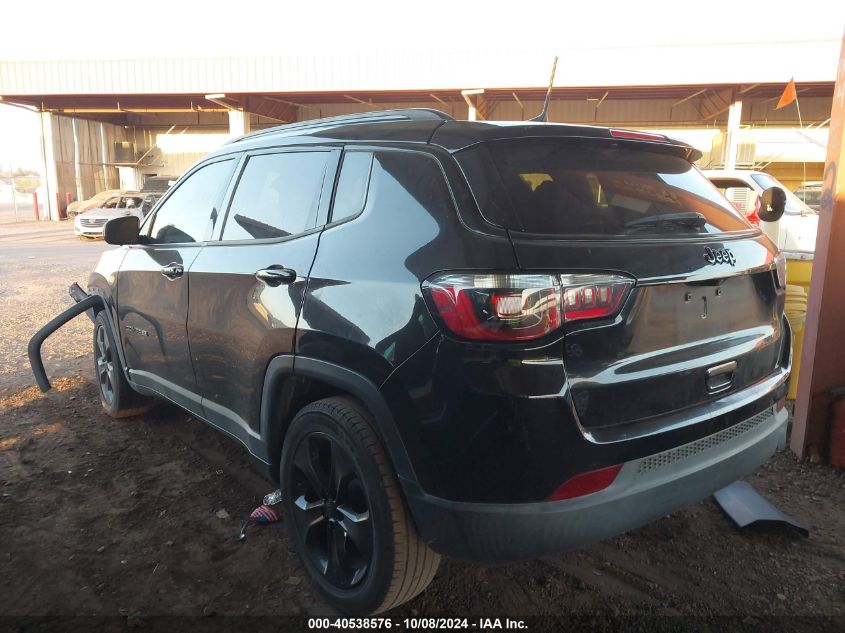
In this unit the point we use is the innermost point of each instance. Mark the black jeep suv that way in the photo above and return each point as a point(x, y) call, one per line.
point(476, 339)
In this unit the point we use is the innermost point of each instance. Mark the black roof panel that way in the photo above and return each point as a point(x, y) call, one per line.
point(421, 125)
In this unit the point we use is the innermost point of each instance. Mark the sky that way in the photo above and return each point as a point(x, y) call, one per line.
point(92, 29)
point(86, 29)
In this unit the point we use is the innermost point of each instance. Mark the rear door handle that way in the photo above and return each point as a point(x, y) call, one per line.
point(276, 275)
point(173, 271)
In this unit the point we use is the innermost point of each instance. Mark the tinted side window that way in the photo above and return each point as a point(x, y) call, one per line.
point(352, 185)
point(191, 211)
point(401, 182)
point(278, 195)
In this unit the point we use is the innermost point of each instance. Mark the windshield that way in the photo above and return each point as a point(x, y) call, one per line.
point(794, 206)
point(577, 187)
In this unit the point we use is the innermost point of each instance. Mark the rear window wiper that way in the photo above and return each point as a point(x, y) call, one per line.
point(669, 220)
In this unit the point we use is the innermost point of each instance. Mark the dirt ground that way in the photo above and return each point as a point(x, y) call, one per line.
point(138, 519)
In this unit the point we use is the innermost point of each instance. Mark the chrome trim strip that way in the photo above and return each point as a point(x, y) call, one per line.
point(710, 410)
point(708, 276)
point(681, 419)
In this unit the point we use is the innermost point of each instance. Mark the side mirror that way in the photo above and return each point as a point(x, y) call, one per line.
point(772, 204)
point(122, 230)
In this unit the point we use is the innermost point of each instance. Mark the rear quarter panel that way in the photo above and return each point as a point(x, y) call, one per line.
point(364, 307)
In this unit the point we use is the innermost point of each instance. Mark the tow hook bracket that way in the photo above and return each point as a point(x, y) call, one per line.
point(745, 506)
point(78, 294)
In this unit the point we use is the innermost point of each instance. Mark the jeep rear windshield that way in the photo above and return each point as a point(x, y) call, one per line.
point(594, 187)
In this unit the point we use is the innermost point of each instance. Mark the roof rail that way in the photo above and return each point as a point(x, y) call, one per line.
point(403, 114)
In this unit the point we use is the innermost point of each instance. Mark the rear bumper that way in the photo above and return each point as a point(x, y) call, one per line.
point(644, 490)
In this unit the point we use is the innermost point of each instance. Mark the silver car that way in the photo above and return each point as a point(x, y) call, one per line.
point(91, 222)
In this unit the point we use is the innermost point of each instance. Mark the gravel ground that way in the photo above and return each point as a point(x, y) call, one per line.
point(137, 519)
point(37, 264)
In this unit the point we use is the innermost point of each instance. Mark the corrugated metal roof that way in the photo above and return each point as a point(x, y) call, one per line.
point(633, 66)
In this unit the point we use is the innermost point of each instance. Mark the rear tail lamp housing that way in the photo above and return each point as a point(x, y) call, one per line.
point(753, 216)
point(521, 307)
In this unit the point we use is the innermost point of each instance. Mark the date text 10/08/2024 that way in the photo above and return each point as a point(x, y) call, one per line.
point(479, 624)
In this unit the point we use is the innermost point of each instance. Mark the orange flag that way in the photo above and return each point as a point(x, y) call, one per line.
point(789, 95)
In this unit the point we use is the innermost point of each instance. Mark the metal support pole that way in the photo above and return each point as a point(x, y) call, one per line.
point(473, 99)
point(77, 168)
point(15, 200)
point(238, 122)
point(104, 157)
point(51, 178)
point(732, 134)
point(14, 197)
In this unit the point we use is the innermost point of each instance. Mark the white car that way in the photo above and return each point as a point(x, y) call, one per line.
point(94, 202)
point(810, 193)
point(794, 233)
point(91, 222)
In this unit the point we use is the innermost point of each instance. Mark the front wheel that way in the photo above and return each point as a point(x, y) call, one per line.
point(118, 399)
point(345, 513)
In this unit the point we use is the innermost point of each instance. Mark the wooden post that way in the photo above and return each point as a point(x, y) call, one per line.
point(822, 365)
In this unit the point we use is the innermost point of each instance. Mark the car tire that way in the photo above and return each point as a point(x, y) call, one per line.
point(117, 397)
point(345, 512)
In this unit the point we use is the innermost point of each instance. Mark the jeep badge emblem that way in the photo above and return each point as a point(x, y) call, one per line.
point(719, 256)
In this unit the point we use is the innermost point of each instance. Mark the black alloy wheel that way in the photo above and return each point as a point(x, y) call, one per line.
point(105, 364)
point(331, 510)
point(345, 513)
point(117, 397)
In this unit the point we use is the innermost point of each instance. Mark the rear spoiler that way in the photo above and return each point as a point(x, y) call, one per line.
point(692, 154)
point(455, 136)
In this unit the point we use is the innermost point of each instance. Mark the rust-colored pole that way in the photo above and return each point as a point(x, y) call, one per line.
point(822, 362)
point(35, 205)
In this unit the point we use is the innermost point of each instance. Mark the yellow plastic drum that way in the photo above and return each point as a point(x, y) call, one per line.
point(798, 273)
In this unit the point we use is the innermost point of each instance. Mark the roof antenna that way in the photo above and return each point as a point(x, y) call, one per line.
point(544, 115)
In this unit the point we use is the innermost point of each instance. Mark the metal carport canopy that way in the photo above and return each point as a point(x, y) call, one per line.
point(741, 63)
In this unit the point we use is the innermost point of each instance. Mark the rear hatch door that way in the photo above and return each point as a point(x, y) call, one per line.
point(703, 319)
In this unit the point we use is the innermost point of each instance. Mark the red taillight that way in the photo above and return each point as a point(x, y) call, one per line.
point(754, 215)
point(592, 296)
point(522, 307)
point(585, 483)
point(639, 136)
point(497, 307)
